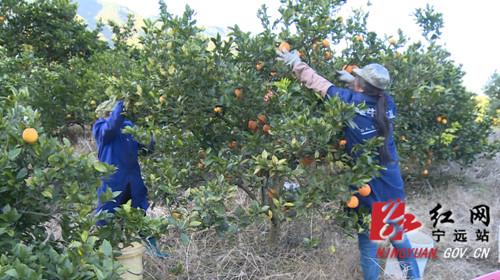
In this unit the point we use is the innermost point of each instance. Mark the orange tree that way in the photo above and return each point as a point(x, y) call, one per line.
point(230, 120)
point(46, 185)
point(48, 198)
point(229, 117)
point(492, 89)
point(46, 48)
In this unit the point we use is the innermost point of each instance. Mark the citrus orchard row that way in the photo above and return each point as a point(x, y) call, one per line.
point(229, 120)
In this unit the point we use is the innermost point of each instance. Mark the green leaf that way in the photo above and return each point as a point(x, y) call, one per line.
point(106, 248)
point(14, 153)
point(12, 273)
point(47, 193)
point(194, 223)
point(85, 235)
point(184, 239)
point(101, 167)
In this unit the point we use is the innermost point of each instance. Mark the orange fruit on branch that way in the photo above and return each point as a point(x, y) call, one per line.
point(325, 43)
point(262, 118)
point(353, 202)
point(425, 172)
point(284, 46)
point(259, 65)
point(359, 38)
point(328, 55)
point(365, 190)
point(342, 142)
point(217, 109)
point(307, 160)
point(266, 129)
point(348, 68)
point(252, 125)
point(30, 135)
point(238, 92)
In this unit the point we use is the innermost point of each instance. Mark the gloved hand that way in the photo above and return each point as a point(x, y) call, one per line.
point(289, 58)
point(345, 76)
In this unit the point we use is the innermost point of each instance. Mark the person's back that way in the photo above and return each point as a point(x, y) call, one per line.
point(120, 150)
point(390, 184)
point(375, 119)
point(115, 147)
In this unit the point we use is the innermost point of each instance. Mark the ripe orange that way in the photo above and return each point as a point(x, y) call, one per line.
point(2, 18)
point(444, 121)
point(233, 144)
point(325, 43)
point(328, 55)
point(425, 172)
point(365, 190)
point(307, 160)
point(217, 109)
point(284, 46)
point(30, 135)
point(162, 99)
point(343, 142)
point(262, 118)
point(353, 202)
point(350, 67)
point(266, 129)
point(259, 65)
point(359, 38)
point(439, 119)
point(238, 92)
point(252, 125)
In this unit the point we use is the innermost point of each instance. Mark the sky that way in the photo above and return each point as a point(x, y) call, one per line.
point(470, 30)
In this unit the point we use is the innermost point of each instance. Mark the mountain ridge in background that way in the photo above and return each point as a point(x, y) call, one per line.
point(93, 10)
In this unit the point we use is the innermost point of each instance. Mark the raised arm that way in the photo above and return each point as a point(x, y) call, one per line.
point(105, 131)
point(311, 79)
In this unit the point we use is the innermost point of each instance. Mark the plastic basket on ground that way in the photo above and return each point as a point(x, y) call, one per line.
point(131, 259)
point(418, 241)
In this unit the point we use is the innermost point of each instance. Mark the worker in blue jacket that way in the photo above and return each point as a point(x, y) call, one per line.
point(367, 86)
point(120, 150)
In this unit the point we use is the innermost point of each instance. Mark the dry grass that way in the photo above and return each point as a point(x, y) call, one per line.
point(247, 254)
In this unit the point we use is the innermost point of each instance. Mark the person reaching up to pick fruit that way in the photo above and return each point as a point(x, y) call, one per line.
point(368, 86)
point(121, 150)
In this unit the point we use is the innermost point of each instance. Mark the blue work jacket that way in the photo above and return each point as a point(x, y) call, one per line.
point(389, 186)
point(120, 150)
